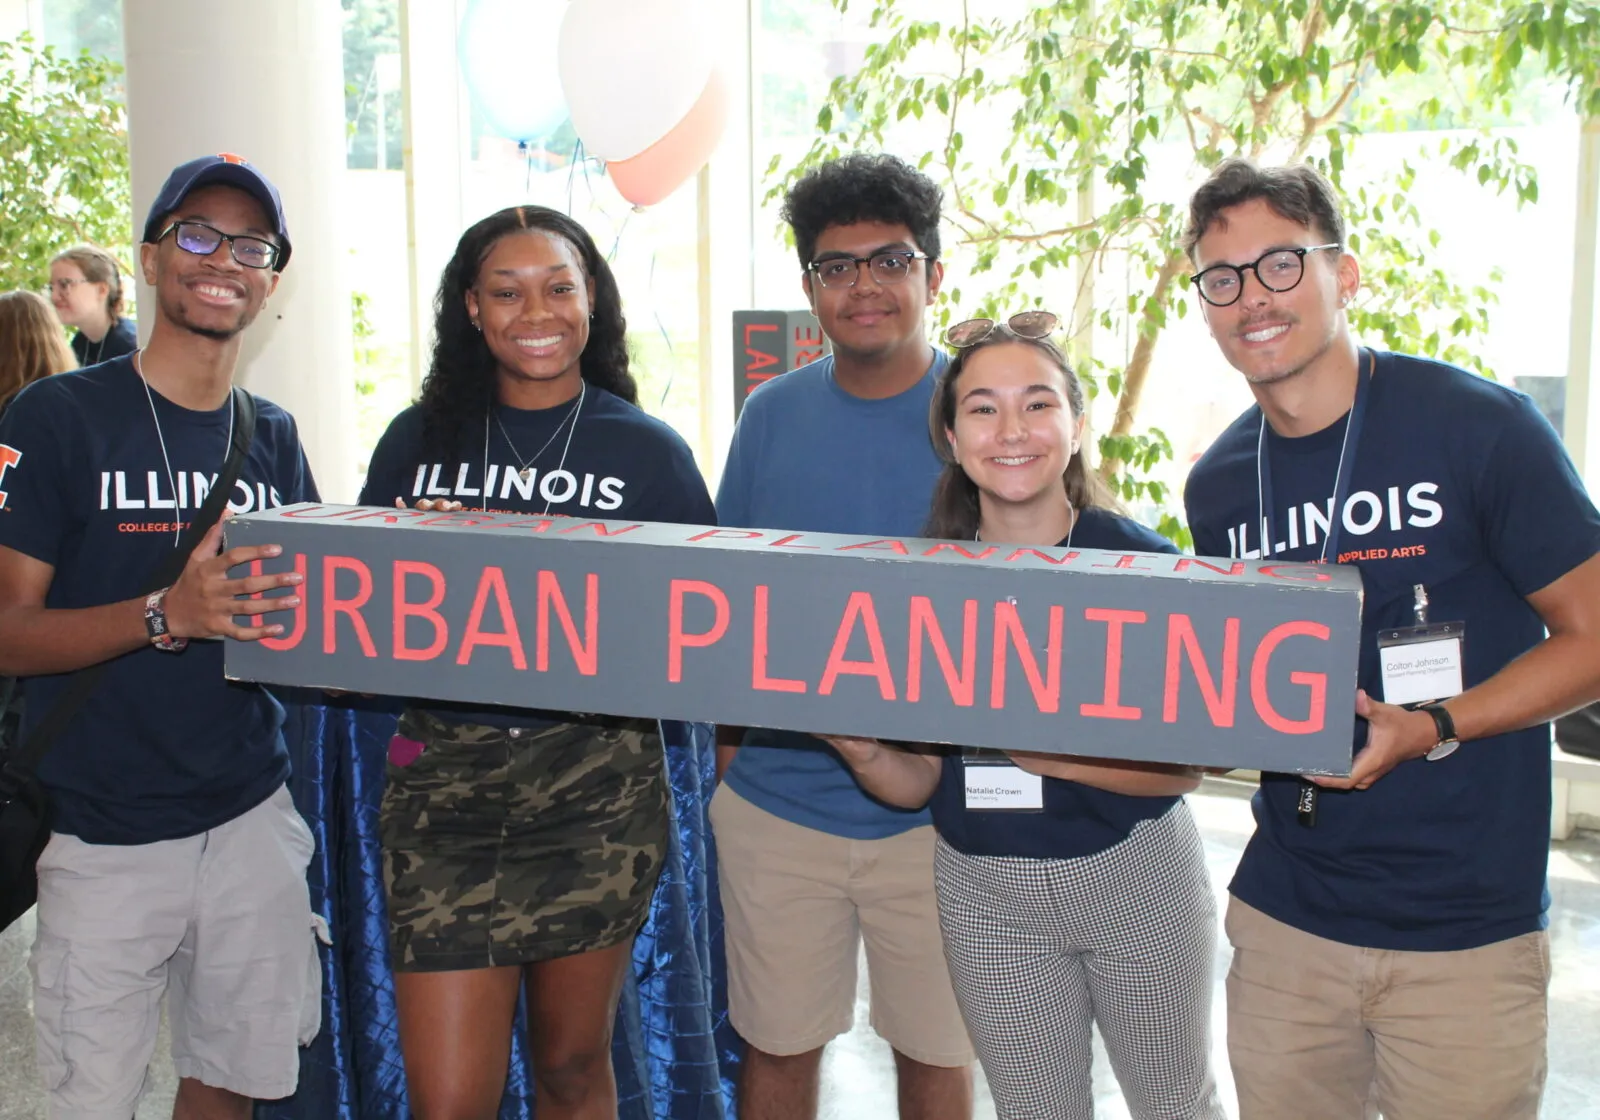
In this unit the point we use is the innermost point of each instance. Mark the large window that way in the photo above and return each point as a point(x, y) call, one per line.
point(653, 252)
point(1484, 238)
point(84, 25)
point(372, 105)
point(798, 47)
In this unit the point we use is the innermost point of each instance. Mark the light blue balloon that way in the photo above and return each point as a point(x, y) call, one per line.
point(508, 59)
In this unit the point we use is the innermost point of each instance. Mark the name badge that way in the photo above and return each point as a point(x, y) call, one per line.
point(1421, 663)
point(999, 785)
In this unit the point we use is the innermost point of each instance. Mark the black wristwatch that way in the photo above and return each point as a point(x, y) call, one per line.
point(1446, 728)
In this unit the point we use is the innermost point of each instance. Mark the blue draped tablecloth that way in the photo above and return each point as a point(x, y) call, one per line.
point(674, 1052)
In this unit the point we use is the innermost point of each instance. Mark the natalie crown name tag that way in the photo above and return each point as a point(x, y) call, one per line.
point(994, 783)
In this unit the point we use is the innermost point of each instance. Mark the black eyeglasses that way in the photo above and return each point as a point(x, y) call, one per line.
point(887, 267)
point(203, 240)
point(1279, 271)
point(1024, 324)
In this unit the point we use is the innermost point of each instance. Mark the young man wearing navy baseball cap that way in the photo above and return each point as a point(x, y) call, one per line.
point(176, 863)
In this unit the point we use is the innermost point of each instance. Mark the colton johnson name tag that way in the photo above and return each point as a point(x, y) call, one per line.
point(1421, 663)
point(995, 784)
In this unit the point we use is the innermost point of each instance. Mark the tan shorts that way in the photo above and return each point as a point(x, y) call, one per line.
point(798, 904)
point(1319, 1030)
point(221, 923)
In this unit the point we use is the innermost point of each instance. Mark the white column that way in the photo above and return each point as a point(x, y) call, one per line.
point(435, 139)
point(266, 81)
point(1582, 414)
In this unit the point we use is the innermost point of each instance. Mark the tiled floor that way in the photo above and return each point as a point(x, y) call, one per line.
point(20, 1097)
point(858, 1069)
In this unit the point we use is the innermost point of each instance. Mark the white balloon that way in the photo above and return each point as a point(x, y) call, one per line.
point(508, 59)
point(632, 69)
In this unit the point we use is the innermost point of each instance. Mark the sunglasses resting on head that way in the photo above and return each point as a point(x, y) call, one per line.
point(1024, 324)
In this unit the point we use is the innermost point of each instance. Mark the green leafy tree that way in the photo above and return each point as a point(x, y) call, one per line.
point(368, 354)
point(1094, 90)
point(63, 159)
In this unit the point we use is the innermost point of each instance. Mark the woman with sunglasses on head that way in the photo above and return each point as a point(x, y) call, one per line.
point(86, 291)
point(521, 848)
point(1083, 900)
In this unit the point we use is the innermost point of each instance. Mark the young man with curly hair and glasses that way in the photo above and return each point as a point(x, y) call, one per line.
point(810, 865)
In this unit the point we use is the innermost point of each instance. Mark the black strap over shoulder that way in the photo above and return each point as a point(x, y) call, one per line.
point(22, 763)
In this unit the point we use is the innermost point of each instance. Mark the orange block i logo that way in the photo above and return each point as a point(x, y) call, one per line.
point(9, 457)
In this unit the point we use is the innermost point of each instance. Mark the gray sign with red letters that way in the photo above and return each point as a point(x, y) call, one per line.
point(1135, 656)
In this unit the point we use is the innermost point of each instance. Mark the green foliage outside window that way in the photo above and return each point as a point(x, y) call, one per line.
point(63, 160)
point(371, 30)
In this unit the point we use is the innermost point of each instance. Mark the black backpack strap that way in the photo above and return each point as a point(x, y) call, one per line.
point(18, 768)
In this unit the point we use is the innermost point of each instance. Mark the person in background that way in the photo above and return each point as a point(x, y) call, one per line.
point(1080, 899)
point(31, 345)
point(86, 291)
point(31, 348)
point(521, 848)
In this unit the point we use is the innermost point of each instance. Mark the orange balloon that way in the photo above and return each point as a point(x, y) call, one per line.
point(666, 165)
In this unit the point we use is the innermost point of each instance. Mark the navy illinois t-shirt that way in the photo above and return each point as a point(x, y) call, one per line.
point(1458, 484)
point(165, 747)
point(122, 338)
point(1077, 820)
point(619, 464)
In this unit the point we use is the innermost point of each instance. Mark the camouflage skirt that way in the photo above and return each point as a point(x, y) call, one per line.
point(504, 847)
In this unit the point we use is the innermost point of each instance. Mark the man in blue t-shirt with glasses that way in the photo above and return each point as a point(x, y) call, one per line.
point(176, 864)
point(1389, 939)
point(811, 867)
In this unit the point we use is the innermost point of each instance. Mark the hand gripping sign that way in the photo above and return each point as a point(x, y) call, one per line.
point(1135, 656)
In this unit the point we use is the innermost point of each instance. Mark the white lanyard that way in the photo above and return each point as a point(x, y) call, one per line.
point(172, 483)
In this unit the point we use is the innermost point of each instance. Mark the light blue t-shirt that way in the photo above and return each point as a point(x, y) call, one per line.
point(809, 457)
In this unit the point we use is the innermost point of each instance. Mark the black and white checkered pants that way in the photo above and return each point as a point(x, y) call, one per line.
point(1042, 949)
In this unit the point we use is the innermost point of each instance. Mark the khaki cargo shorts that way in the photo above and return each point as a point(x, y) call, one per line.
point(220, 923)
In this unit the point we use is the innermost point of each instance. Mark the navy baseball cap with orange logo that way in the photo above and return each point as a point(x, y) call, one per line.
point(226, 169)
